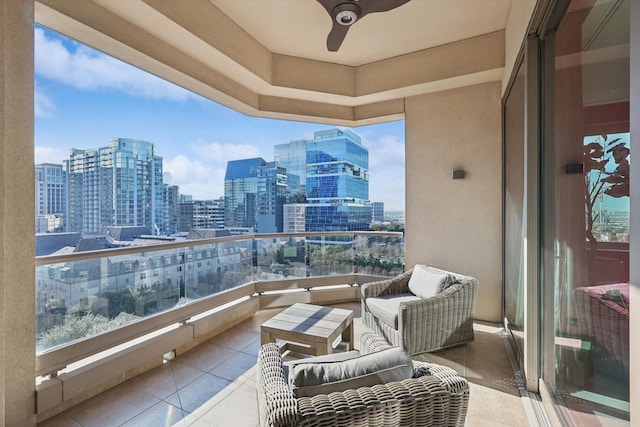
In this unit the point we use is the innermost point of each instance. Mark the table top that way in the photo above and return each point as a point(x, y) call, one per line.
point(310, 320)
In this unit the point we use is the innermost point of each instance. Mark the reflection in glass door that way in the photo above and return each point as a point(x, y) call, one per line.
point(589, 195)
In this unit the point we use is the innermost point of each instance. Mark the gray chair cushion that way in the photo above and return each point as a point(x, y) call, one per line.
point(333, 357)
point(388, 365)
point(386, 308)
point(427, 283)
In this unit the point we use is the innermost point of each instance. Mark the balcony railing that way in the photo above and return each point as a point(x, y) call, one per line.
point(93, 301)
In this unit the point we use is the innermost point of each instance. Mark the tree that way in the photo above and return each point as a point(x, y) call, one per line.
point(598, 181)
point(77, 327)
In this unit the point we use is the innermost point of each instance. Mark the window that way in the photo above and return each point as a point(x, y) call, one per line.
point(166, 176)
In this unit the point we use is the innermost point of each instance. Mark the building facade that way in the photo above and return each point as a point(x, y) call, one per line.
point(50, 196)
point(271, 197)
point(208, 214)
point(240, 192)
point(293, 156)
point(294, 217)
point(337, 182)
point(377, 211)
point(170, 208)
point(120, 184)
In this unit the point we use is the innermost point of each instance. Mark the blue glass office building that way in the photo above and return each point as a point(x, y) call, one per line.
point(272, 195)
point(337, 182)
point(241, 192)
point(293, 156)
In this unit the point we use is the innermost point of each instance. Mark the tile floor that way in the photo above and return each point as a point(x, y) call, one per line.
point(214, 384)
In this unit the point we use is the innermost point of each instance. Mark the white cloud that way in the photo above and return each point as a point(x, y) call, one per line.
point(385, 152)
point(87, 69)
point(45, 154)
point(202, 175)
point(388, 187)
point(220, 153)
point(42, 103)
point(387, 171)
point(196, 178)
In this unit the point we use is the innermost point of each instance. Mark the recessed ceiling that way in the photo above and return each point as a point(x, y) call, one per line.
point(300, 27)
point(270, 57)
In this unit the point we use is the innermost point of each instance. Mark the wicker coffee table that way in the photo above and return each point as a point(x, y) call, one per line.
point(309, 329)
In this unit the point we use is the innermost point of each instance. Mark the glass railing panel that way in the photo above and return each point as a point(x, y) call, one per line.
point(82, 295)
point(80, 299)
point(216, 267)
point(330, 255)
point(379, 255)
point(281, 258)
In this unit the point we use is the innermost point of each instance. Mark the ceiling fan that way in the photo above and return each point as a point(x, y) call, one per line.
point(345, 13)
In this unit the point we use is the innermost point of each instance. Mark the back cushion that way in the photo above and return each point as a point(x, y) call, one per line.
point(426, 283)
point(388, 365)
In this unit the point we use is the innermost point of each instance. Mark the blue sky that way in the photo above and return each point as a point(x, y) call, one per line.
point(83, 98)
point(608, 202)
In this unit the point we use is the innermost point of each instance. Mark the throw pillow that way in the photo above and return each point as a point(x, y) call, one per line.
point(427, 283)
point(388, 365)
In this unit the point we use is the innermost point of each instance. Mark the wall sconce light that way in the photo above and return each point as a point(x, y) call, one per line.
point(577, 168)
point(458, 174)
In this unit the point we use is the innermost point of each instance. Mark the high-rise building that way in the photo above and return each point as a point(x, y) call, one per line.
point(50, 194)
point(171, 208)
point(337, 182)
point(293, 156)
point(208, 214)
point(185, 220)
point(377, 212)
point(116, 185)
point(271, 196)
point(294, 218)
point(337, 186)
point(240, 192)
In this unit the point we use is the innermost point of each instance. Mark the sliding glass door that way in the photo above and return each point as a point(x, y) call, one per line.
point(586, 219)
point(514, 205)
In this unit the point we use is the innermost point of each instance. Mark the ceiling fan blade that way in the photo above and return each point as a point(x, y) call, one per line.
point(329, 5)
point(336, 36)
point(373, 6)
point(345, 13)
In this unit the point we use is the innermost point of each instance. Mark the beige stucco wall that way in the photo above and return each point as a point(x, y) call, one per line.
point(456, 224)
point(17, 290)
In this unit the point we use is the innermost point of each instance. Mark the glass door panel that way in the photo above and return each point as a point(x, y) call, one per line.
point(590, 270)
point(514, 139)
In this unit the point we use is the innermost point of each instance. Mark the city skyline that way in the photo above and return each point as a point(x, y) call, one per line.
point(104, 98)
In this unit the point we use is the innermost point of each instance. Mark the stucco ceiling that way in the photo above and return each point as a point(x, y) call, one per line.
point(300, 27)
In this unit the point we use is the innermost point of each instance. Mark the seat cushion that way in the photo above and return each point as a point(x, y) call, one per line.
point(384, 366)
point(386, 308)
point(427, 283)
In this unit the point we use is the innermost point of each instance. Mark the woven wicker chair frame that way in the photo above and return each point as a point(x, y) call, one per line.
point(436, 396)
point(431, 324)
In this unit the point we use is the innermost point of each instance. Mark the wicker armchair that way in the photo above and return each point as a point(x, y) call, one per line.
point(423, 325)
point(436, 396)
point(603, 315)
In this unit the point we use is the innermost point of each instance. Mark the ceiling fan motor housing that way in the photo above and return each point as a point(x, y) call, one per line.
point(347, 13)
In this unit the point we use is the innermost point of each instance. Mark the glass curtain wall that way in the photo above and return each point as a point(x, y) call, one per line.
point(514, 226)
point(587, 221)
